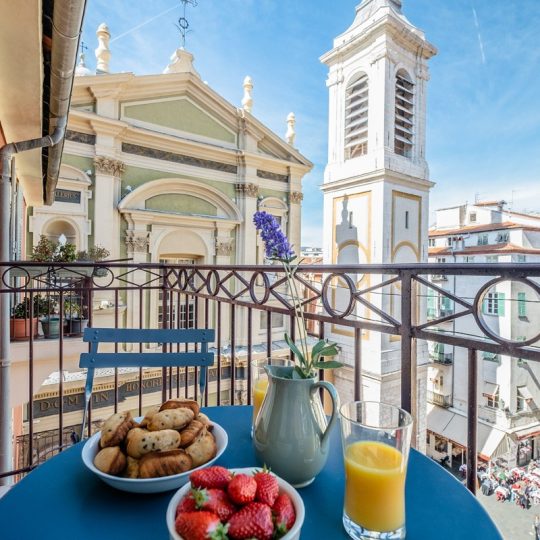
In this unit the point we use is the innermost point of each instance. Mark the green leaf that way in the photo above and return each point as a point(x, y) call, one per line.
point(330, 350)
point(316, 350)
point(295, 349)
point(299, 373)
point(331, 364)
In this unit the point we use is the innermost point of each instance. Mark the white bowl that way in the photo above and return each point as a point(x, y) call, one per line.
point(284, 487)
point(148, 485)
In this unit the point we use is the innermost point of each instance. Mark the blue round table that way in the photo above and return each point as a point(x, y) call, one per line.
point(61, 499)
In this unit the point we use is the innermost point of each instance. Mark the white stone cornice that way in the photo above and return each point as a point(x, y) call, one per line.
point(375, 177)
point(148, 217)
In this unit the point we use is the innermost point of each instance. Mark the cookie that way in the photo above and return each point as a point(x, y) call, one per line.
point(180, 403)
point(141, 442)
point(158, 464)
point(149, 415)
point(132, 468)
point(110, 460)
point(171, 419)
point(190, 432)
point(115, 429)
point(203, 449)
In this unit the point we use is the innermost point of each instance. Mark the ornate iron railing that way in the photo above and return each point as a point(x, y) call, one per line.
point(250, 309)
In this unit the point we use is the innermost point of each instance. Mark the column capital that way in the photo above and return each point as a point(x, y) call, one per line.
point(224, 246)
point(137, 242)
point(296, 197)
point(248, 189)
point(111, 166)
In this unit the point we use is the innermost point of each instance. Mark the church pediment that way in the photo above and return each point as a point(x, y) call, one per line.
point(177, 115)
point(269, 147)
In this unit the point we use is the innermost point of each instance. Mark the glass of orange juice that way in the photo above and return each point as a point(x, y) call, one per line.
point(259, 380)
point(376, 440)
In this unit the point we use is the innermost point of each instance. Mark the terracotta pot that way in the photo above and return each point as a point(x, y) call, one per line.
point(20, 328)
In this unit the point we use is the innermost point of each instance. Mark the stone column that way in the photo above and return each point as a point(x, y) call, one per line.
point(137, 242)
point(107, 188)
point(295, 220)
point(247, 194)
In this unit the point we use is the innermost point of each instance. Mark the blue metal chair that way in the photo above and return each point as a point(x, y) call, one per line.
point(93, 360)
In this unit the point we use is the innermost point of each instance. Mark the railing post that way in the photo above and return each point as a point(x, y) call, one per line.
point(472, 420)
point(164, 324)
point(357, 364)
point(406, 342)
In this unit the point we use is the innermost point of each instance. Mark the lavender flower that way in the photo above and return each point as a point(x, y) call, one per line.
point(276, 243)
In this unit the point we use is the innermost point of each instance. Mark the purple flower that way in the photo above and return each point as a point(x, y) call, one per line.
point(276, 244)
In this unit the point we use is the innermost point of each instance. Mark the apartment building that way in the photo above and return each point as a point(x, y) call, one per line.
point(509, 388)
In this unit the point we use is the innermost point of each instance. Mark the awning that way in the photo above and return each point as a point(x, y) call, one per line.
point(491, 442)
point(525, 433)
point(523, 391)
point(491, 388)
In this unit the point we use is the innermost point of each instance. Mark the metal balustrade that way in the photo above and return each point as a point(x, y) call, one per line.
point(349, 304)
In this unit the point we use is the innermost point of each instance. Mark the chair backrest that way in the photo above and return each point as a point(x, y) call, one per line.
point(94, 359)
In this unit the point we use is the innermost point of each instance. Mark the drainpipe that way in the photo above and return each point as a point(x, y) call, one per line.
point(6, 154)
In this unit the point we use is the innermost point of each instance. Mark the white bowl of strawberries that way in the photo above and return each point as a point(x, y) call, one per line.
point(235, 504)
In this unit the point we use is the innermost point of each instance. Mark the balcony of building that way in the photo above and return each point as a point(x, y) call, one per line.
point(376, 314)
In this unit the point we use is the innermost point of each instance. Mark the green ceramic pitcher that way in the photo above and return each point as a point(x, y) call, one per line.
point(291, 434)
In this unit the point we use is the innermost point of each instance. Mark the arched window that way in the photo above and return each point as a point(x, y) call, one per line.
point(356, 117)
point(403, 135)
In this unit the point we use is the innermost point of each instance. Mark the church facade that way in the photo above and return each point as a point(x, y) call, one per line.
point(162, 168)
point(376, 184)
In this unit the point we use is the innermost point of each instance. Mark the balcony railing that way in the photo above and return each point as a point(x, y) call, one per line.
point(352, 305)
point(442, 358)
point(437, 398)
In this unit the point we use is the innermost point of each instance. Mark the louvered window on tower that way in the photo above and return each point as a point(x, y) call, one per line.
point(356, 117)
point(403, 137)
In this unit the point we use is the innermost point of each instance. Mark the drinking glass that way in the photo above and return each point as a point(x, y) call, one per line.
point(259, 380)
point(376, 440)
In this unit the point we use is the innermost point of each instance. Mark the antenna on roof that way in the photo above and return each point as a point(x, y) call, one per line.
point(183, 23)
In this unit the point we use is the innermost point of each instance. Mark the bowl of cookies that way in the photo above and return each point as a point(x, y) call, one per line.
point(157, 452)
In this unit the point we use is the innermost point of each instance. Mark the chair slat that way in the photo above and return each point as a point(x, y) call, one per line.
point(110, 360)
point(146, 335)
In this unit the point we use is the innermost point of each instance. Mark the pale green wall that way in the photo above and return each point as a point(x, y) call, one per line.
point(137, 176)
point(182, 115)
point(181, 204)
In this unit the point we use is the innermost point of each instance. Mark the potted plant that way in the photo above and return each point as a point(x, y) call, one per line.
point(50, 321)
point(74, 322)
point(293, 417)
point(96, 253)
point(20, 322)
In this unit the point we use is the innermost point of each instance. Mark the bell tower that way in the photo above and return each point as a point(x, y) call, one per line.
point(376, 183)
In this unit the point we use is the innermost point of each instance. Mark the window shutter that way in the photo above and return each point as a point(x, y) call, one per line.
point(485, 306)
point(404, 115)
point(500, 304)
point(522, 305)
point(356, 117)
point(431, 303)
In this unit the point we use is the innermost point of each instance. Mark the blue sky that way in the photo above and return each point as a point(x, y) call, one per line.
point(483, 132)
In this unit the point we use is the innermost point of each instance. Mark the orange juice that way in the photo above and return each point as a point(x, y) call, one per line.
point(375, 486)
point(259, 391)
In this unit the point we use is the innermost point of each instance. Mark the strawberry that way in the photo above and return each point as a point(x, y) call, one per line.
point(187, 504)
point(267, 487)
point(242, 489)
point(212, 477)
point(284, 514)
point(200, 526)
point(252, 521)
point(214, 500)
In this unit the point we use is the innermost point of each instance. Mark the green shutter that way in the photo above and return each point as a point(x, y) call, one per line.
point(446, 303)
point(522, 305)
point(485, 306)
point(431, 303)
point(500, 304)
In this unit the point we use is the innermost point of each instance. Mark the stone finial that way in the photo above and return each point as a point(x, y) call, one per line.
point(181, 62)
point(103, 54)
point(291, 132)
point(247, 100)
point(81, 70)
